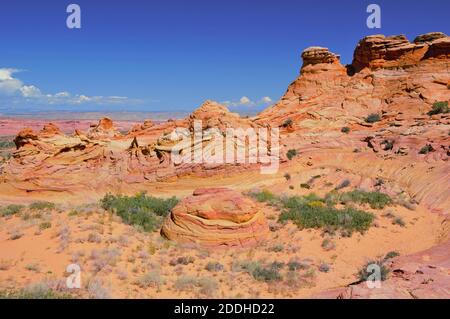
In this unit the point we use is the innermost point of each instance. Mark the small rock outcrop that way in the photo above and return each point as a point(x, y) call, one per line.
point(216, 217)
point(316, 55)
point(104, 129)
point(379, 51)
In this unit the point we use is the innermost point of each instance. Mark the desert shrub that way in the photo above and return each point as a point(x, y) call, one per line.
point(267, 274)
point(182, 261)
point(263, 196)
point(439, 108)
point(294, 265)
point(41, 206)
point(345, 183)
point(324, 267)
point(387, 145)
point(185, 283)
point(36, 291)
point(328, 245)
point(104, 257)
point(97, 290)
point(33, 267)
point(16, 234)
point(206, 286)
point(247, 266)
point(312, 212)
point(214, 267)
point(291, 154)
point(391, 254)
point(399, 221)
point(11, 210)
point(45, 225)
point(372, 118)
point(426, 149)
point(94, 238)
point(363, 273)
point(345, 130)
point(140, 210)
point(287, 176)
point(376, 200)
point(305, 186)
point(287, 123)
point(277, 248)
point(151, 279)
point(7, 144)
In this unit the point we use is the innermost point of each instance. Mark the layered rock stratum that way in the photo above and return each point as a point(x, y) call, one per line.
point(216, 217)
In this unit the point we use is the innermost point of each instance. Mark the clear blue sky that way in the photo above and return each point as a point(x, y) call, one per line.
point(172, 55)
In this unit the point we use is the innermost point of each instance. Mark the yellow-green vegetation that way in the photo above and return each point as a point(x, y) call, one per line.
point(439, 108)
point(38, 291)
point(141, 210)
point(312, 211)
point(11, 210)
point(41, 206)
point(291, 153)
point(376, 200)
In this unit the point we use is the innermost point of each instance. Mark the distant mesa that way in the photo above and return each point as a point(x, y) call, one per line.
point(216, 217)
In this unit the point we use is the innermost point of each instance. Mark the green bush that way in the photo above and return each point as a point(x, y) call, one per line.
point(41, 206)
point(140, 210)
point(267, 274)
point(426, 149)
point(364, 274)
point(287, 123)
point(345, 130)
point(6, 144)
point(291, 154)
point(263, 196)
point(11, 210)
point(439, 108)
point(387, 145)
point(312, 215)
point(38, 291)
point(376, 200)
point(372, 118)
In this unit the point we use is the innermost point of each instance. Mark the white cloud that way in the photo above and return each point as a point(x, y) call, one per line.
point(266, 100)
point(30, 91)
point(247, 102)
point(9, 85)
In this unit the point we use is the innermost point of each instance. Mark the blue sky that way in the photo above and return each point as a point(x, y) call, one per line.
point(153, 55)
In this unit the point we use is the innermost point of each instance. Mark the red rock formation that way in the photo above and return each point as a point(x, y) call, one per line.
point(103, 130)
point(50, 130)
point(216, 217)
point(423, 275)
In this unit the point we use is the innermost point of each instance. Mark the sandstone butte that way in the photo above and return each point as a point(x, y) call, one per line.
point(216, 217)
point(390, 76)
